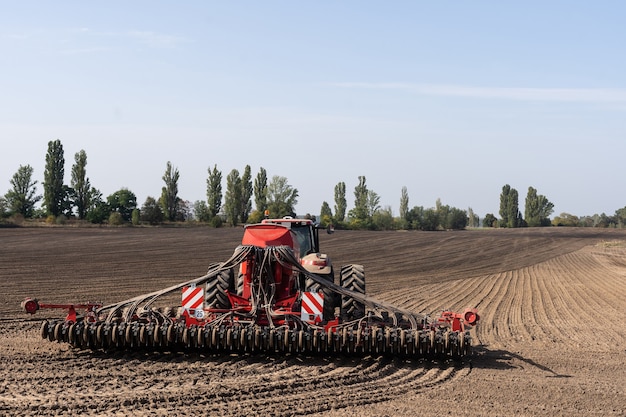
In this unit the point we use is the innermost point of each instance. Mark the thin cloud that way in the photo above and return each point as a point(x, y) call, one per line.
point(80, 51)
point(146, 38)
point(156, 40)
point(578, 95)
point(16, 36)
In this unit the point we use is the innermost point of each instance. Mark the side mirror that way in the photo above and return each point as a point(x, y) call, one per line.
point(330, 229)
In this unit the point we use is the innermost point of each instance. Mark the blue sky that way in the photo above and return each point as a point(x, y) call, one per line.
point(451, 99)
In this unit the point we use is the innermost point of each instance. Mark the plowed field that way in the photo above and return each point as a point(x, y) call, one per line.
point(551, 340)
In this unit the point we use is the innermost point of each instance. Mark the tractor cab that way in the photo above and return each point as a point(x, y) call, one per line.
point(304, 230)
point(306, 243)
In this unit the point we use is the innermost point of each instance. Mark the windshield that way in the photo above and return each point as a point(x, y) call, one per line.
point(305, 240)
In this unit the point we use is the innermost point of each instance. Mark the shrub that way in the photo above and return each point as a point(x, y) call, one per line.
point(116, 219)
point(255, 217)
point(216, 221)
point(135, 217)
point(17, 219)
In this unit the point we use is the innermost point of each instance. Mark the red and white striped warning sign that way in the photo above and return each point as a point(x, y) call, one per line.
point(193, 297)
point(312, 307)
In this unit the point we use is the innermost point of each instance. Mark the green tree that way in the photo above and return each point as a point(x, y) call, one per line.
point(201, 211)
point(232, 201)
point(546, 208)
point(80, 185)
point(620, 216)
point(373, 203)
point(566, 219)
point(430, 219)
point(98, 210)
point(54, 192)
point(151, 211)
point(4, 207)
point(509, 208)
point(404, 203)
point(326, 215)
point(360, 211)
point(281, 197)
point(123, 202)
point(341, 204)
point(456, 219)
point(246, 194)
point(415, 217)
point(184, 210)
point(382, 219)
point(214, 192)
point(260, 191)
point(531, 208)
point(538, 209)
point(22, 197)
point(169, 200)
point(490, 220)
point(504, 208)
point(514, 215)
point(473, 218)
point(67, 203)
point(135, 217)
point(442, 213)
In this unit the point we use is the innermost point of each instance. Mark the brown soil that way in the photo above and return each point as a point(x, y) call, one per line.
point(551, 340)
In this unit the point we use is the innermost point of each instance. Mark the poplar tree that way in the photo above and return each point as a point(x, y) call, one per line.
point(504, 201)
point(513, 214)
point(169, 194)
point(232, 200)
point(214, 191)
point(246, 194)
point(361, 198)
point(340, 202)
point(260, 191)
point(54, 191)
point(80, 185)
point(404, 203)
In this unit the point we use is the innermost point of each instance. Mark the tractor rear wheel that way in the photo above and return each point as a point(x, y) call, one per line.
point(353, 279)
point(240, 281)
point(216, 288)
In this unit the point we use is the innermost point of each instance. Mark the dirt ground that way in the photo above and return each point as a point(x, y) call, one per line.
point(551, 340)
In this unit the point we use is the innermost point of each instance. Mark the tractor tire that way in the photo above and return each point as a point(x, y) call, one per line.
point(216, 288)
point(353, 279)
point(240, 282)
point(330, 298)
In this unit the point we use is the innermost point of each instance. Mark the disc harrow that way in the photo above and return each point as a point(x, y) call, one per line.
point(441, 343)
point(272, 297)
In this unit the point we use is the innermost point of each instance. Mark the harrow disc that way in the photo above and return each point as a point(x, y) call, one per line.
point(43, 331)
point(401, 342)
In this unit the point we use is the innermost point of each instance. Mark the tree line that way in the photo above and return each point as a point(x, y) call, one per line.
point(273, 197)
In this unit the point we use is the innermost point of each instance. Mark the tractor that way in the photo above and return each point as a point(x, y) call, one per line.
point(277, 294)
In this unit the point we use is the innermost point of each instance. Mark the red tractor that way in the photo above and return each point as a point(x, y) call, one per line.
point(277, 293)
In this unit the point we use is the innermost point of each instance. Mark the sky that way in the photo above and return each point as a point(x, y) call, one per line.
point(452, 100)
